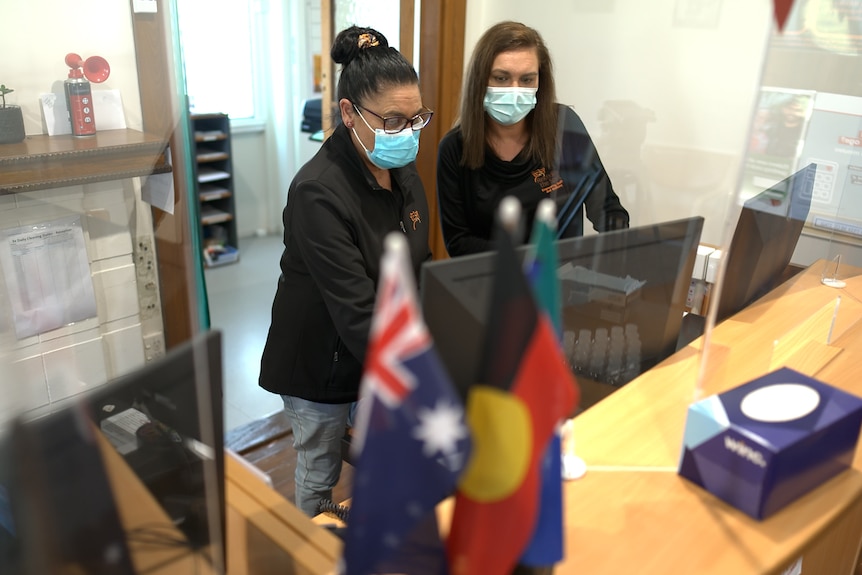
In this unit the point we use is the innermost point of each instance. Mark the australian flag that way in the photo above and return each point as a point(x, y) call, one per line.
point(410, 442)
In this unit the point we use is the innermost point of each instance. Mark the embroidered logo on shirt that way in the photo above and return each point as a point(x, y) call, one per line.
point(549, 182)
point(414, 217)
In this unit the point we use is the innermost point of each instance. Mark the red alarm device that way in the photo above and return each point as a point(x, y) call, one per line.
point(79, 97)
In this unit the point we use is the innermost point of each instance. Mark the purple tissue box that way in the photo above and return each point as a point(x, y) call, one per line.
point(767, 442)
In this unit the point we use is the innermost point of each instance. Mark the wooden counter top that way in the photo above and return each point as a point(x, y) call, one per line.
point(632, 513)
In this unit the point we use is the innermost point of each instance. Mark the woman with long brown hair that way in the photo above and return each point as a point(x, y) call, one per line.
point(512, 137)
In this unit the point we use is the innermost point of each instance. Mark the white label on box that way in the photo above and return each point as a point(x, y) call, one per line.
point(780, 402)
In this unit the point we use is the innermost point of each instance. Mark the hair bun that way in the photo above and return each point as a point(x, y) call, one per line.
point(352, 41)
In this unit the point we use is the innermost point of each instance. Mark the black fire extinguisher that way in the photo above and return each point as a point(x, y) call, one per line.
point(79, 97)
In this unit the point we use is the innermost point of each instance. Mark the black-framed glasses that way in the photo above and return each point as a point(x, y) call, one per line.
point(395, 124)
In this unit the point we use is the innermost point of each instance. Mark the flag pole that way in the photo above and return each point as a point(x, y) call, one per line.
point(510, 214)
point(573, 467)
point(509, 511)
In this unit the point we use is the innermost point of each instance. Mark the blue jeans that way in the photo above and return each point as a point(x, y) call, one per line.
point(317, 432)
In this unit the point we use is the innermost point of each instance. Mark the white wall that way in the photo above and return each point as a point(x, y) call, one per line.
point(36, 36)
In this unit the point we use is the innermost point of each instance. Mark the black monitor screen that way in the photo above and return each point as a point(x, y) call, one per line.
point(764, 240)
point(623, 296)
point(165, 419)
point(61, 512)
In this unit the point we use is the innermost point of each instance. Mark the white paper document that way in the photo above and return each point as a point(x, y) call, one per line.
point(158, 189)
point(47, 275)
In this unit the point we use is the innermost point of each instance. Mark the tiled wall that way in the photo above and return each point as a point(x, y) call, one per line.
point(41, 370)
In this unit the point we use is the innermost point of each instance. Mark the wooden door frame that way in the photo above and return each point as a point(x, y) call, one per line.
point(161, 113)
point(441, 71)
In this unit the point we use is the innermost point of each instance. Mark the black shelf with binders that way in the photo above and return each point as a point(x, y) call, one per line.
point(215, 191)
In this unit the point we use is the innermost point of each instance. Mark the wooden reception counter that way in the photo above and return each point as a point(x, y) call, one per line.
point(631, 512)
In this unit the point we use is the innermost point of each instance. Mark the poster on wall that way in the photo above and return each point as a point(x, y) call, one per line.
point(776, 138)
point(47, 275)
point(834, 144)
point(823, 26)
point(696, 13)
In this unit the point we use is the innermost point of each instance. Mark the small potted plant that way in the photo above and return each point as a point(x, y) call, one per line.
point(11, 119)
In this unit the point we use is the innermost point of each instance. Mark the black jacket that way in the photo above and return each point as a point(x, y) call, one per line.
point(335, 221)
point(469, 198)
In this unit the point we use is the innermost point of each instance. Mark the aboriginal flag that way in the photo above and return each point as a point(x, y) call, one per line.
point(524, 389)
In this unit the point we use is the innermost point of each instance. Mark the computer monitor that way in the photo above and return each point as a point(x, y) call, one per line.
point(63, 516)
point(165, 420)
point(764, 240)
point(623, 296)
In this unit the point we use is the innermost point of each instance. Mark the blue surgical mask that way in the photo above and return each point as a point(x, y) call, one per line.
point(391, 150)
point(509, 105)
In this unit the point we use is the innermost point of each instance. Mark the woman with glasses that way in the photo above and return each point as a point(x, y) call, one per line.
point(513, 138)
point(361, 185)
